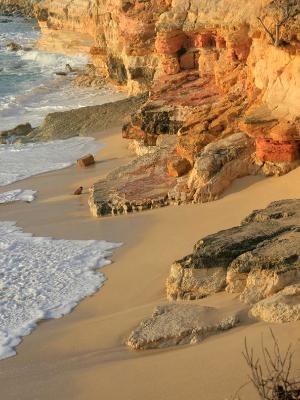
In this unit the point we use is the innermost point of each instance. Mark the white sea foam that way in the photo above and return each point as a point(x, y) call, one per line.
point(50, 96)
point(43, 278)
point(53, 61)
point(20, 161)
point(29, 88)
point(17, 195)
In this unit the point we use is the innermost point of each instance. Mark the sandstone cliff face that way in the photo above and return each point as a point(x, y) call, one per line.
point(137, 40)
point(210, 69)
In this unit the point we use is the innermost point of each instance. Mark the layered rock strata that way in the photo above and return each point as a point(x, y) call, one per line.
point(211, 71)
point(141, 185)
point(258, 259)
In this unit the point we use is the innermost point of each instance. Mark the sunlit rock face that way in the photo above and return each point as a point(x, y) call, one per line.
point(135, 42)
point(208, 65)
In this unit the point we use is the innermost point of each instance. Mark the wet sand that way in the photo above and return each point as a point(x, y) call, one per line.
point(82, 355)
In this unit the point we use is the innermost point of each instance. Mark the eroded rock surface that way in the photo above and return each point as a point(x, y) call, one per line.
point(257, 259)
point(160, 177)
point(177, 324)
point(142, 184)
point(219, 164)
point(211, 73)
point(283, 306)
point(83, 121)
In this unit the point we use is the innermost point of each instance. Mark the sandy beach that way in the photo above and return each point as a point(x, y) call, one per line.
point(82, 355)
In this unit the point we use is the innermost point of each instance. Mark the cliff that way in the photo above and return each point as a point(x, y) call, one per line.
point(212, 72)
point(24, 8)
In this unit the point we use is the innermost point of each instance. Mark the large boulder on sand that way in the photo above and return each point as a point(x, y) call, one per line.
point(174, 324)
point(142, 184)
point(86, 161)
point(270, 267)
point(257, 259)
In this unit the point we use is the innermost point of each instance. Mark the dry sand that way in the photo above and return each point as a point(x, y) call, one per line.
point(82, 356)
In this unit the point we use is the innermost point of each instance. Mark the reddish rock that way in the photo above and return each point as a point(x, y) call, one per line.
point(179, 167)
point(284, 131)
point(170, 42)
point(97, 51)
point(239, 49)
point(203, 40)
point(130, 131)
point(220, 42)
point(275, 151)
point(188, 60)
point(170, 65)
point(86, 161)
point(78, 191)
point(232, 56)
point(150, 140)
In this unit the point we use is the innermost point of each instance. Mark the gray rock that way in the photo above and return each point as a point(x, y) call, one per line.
point(271, 266)
point(85, 120)
point(256, 259)
point(177, 324)
point(13, 46)
point(18, 131)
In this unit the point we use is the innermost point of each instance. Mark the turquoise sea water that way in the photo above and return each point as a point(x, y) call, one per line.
point(29, 88)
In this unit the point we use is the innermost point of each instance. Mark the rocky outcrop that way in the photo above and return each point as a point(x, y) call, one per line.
point(257, 259)
point(12, 134)
point(141, 185)
point(219, 164)
point(83, 121)
point(178, 324)
point(158, 177)
point(211, 73)
point(260, 260)
point(17, 8)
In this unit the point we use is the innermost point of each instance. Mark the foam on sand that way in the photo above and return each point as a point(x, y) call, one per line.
point(17, 195)
point(20, 161)
point(43, 278)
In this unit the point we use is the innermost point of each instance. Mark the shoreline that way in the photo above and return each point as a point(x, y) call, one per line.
point(87, 345)
point(225, 97)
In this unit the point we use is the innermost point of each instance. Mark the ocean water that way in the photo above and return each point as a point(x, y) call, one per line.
point(29, 88)
point(20, 161)
point(42, 278)
point(17, 195)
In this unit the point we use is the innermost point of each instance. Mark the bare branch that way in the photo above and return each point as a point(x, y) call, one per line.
point(273, 381)
point(281, 12)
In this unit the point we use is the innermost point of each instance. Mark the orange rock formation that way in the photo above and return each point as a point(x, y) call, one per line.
point(210, 68)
